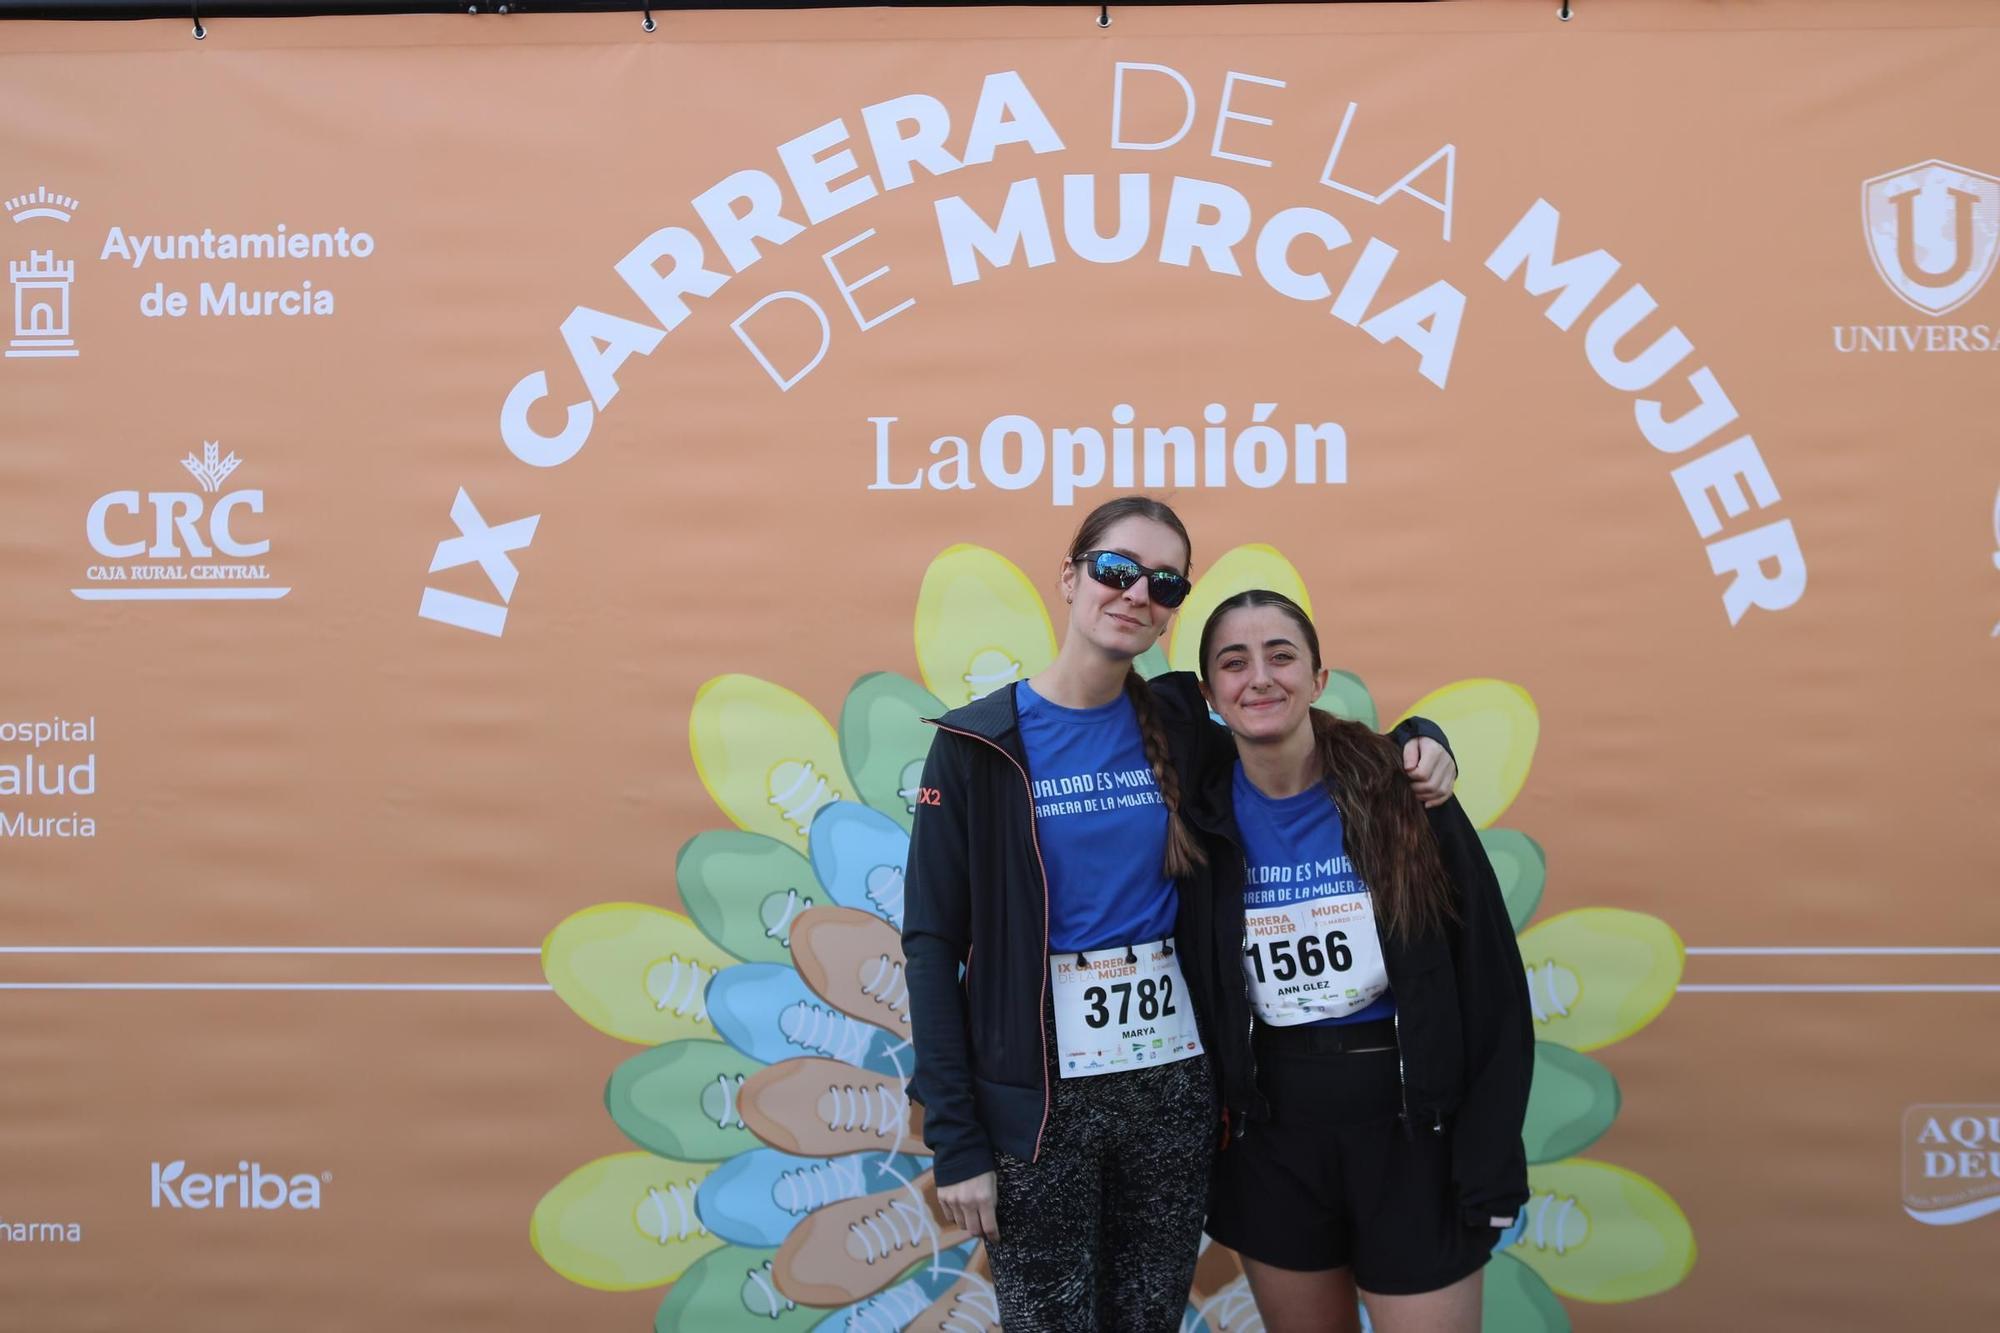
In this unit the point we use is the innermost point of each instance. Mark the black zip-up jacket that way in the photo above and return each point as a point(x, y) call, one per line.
point(976, 893)
point(975, 875)
point(1464, 1032)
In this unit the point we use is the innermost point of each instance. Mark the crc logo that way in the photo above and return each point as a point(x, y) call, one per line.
point(1933, 230)
point(176, 522)
point(249, 1187)
point(1951, 1163)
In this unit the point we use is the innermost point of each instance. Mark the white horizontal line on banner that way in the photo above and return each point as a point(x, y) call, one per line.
point(1829, 951)
point(258, 594)
point(1841, 989)
point(269, 985)
point(347, 949)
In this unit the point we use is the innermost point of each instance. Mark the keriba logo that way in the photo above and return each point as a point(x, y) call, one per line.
point(249, 1187)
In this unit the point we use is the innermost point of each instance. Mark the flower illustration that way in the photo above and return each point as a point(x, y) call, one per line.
point(778, 1177)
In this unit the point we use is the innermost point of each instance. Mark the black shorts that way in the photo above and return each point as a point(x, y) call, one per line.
point(1332, 1181)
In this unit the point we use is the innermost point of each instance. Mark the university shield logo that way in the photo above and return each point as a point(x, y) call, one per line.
point(1933, 231)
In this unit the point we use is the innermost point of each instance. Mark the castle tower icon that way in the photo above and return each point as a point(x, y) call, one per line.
point(41, 305)
point(41, 282)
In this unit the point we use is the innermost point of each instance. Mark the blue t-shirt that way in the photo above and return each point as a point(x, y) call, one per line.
point(1283, 836)
point(1100, 822)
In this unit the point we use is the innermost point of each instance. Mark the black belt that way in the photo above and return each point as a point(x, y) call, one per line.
point(1330, 1039)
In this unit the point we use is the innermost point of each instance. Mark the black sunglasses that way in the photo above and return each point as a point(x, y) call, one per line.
point(1116, 570)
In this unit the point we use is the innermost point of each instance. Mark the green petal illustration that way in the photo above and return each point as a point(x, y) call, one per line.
point(766, 756)
point(732, 1288)
point(980, 625)
point(679, 1100)
point(1152, 663)
point(1597, 1232)
point(744, 890)
point(1245, 567)
point(884, 738)
point(1598, 974)
point(623, 1222)
point(1573, 1100)
point(1493, 727)
point(1345, 696)
point(1521, 867)
point(1516, 1301)
point(634, 971)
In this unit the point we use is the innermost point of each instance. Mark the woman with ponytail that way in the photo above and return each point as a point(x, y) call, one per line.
point(1075, 1000)
point(1378, 1141)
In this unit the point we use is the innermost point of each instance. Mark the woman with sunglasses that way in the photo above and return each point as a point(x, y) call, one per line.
point(1379, 1147)
point(1069, 980)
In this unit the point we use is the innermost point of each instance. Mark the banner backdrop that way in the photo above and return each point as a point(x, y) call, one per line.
point(488, 501)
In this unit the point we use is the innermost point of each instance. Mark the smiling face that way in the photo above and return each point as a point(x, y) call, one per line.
point(1259, 672)
point(1123, 623)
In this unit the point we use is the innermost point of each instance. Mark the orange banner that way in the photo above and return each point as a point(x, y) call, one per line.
point(489, 501)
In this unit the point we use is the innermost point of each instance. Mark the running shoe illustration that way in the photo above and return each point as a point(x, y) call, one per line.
point(633, 971)
point(1597, 1232)
point(855, 961)
point(766, 1011)
point(1514, 1300)
point(680, 1100)
point(1494, 727)
point(1522, 869)
point(968, 1305)
point(767, 757)
point(755, 1199)
point(1571, 1102)
point(732, 1288)
point(884, 738)
point(622, 1222)
point(980, 625)
point(1597, 975)
point(858, 854)
point(850, 1250)
point(745, 890)
point(823, 1108)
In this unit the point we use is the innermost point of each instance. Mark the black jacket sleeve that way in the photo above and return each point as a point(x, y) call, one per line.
point(1489, 1164)
point(937, 935)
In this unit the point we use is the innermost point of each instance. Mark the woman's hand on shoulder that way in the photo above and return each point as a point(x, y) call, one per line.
point(1431, 770)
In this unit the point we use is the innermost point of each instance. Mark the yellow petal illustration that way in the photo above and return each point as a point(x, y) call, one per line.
point(980, 625)
point(1493, 725)
point(634, 971)
point(1597, 1232)
point(766, 756)
point(623, 1222)
point(1245, 567)
point(1598, 974)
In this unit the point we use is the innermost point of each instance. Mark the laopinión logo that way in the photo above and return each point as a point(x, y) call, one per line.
point(1951, 1163)
point(250, 1187)
point(42, 281)
point(1933, 233)
point(199, 549)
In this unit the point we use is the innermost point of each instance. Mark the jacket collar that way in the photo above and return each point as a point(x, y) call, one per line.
point(991, 717)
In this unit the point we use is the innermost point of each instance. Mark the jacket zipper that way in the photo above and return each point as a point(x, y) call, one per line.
point(1041, 1009)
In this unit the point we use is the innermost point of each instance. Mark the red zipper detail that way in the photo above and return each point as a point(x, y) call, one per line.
point(1041, 1009)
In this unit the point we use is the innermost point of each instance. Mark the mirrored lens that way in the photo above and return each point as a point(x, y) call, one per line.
point(1168, 588)
point(1117, 571)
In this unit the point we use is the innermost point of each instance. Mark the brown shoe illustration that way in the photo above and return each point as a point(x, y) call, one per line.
point(967, 1306)
point(850, 1250)
point(854, 961)
point(814, 1107)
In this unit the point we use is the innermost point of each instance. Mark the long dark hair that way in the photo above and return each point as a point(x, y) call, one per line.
point(1387, 831)
point(1184, 853)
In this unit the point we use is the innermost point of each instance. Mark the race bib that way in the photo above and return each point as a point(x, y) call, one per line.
point(1113, 1015)
point(1316, 959)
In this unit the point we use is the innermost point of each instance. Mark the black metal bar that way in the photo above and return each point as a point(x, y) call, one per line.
point(214, 9)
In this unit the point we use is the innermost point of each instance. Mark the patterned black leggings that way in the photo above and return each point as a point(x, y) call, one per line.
point(1101, 1233)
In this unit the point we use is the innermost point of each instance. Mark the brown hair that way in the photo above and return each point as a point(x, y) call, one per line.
point(1184, 852)
point(1387, 831)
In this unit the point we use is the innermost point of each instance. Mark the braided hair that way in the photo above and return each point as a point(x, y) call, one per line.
point(1184, 853)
